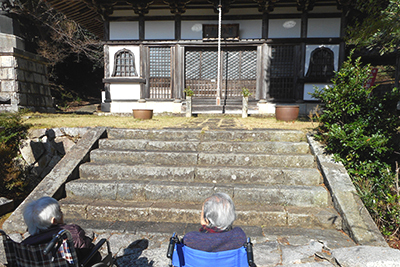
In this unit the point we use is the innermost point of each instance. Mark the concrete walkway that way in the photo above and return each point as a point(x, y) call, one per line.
point(273, 247)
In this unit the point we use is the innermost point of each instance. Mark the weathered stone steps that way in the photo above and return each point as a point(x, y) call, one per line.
point(200, 135)
point(216, 174)
point(247, 215)
point(161, 177)
point(209, 146)
point(294, 195)
point(185, 158)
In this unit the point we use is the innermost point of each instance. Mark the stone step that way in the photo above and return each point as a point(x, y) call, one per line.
point(210, 146)
point(199, 135)
point(166, 212)
point(219, 109)
point(243, 175)
point(202, 159)
point(286, 195)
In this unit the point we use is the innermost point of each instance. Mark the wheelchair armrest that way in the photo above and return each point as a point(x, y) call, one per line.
point(107, 259)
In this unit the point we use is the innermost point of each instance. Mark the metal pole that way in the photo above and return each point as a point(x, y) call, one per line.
point(219, 55)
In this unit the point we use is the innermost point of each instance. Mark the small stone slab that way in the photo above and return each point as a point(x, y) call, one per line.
point(367, 256)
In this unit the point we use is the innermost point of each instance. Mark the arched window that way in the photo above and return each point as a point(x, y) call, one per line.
point(124, 64)
point(321, 63)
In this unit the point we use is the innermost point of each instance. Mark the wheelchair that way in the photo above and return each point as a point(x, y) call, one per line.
point(184, 256)
point(59, 252)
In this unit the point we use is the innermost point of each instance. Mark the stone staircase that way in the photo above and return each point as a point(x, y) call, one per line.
point(230, 105)
point(149, 178)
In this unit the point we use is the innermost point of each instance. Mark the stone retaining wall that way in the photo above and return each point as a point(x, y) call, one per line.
point(23, 78)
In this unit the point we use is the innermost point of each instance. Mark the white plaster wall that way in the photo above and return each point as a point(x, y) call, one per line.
point(284, 28)
point(122, 107)
point(115, 48)
point(157, 107)
point(124, 30)
point(193, 29)
point(310, 48)
point(248, 29)
point(124, 91)
point(309, 88)
point(323, 27)
point(159, 30)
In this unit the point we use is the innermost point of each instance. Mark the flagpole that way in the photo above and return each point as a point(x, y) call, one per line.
point(219, 55)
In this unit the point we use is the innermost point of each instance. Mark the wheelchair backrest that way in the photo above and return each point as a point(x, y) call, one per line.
point(22, 255)
point(184, 256)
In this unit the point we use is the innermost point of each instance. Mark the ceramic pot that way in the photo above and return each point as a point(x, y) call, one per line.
point(143, 114)
point(286, 112)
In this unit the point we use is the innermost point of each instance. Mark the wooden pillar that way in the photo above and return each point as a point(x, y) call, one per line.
point(265, 24)
point(178, 72)
point(107, 93)
point(266, 55)
point(141, 27)
point(178, 28)
point(106, 27)
point(107, 73)
point(260, 89)
point(145, 72)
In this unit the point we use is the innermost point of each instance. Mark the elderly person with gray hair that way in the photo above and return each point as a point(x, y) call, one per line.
point(216, 233)
point(45, 219)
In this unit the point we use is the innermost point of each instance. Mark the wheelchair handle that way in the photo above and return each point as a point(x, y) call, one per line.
point(249, 249)
point(172, 241)
point(56, 239)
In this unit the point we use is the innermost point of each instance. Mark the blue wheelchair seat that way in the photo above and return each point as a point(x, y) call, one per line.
point(184, 256)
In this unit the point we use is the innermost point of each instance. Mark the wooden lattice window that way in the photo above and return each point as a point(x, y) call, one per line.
point(282, 72)
point(321, 63)
point(160, 72)
point(124, 64)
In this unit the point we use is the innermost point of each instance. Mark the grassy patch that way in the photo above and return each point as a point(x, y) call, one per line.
point(39, 120)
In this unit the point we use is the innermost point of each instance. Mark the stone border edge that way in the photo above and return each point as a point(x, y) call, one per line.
point(357, 222)
point(53, 184)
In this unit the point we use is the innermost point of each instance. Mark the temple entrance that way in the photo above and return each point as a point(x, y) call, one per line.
point(239, 69)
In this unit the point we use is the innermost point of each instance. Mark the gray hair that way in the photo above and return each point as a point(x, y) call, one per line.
point(38, 214)
point(219, 210)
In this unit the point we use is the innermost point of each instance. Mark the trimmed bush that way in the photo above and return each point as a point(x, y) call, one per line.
point(361, 129)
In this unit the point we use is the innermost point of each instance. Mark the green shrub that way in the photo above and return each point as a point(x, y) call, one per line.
point(361, 130)
point(188, 91)
point(12, 178)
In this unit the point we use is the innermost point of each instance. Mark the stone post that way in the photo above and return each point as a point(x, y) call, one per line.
point(188, 106)
point(245, 106)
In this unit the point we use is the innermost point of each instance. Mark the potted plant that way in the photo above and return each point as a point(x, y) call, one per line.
point(189, 93)
point(245, 101)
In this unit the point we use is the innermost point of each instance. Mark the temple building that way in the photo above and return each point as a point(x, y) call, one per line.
point(280, 50)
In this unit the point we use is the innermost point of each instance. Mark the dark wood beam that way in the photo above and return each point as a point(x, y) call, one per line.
point(177, 6)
